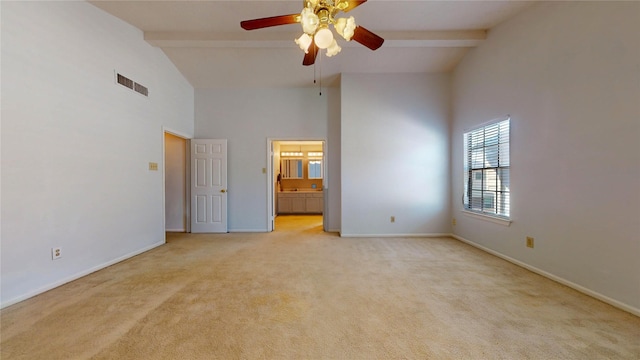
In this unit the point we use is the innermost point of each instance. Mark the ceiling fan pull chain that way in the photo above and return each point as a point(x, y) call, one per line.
point(320, 74)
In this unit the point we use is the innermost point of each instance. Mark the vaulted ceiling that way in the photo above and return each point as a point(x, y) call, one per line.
point(206, 43)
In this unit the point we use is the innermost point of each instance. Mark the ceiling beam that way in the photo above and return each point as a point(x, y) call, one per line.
point(266, 39)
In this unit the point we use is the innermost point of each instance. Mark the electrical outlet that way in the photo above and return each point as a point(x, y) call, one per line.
point(453, 222)
point(529, 242)
point(56, 253)
point(393, 219)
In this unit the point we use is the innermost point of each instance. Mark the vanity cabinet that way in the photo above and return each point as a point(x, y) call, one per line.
point(300, 202)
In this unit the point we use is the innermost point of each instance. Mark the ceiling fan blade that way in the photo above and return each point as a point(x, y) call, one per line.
point(352, 4)
point(310, 57)
point(367, 38)
point(270, 21)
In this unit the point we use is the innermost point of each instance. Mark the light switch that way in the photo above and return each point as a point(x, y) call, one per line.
point(153, 166)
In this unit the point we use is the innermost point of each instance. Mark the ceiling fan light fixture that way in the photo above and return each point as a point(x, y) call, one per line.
point(316, 19)
point(345, 27)
point(304, 42)
point(323, 38)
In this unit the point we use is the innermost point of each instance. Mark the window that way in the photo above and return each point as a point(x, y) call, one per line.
point(486, 183)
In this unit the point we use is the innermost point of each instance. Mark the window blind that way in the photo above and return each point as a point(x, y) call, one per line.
point(487, 187)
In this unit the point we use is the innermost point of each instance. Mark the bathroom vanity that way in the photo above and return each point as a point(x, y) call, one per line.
point(300, 202)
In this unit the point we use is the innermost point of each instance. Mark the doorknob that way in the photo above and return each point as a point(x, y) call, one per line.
point(223, 191)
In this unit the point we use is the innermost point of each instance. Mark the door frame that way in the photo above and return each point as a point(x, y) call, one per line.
point(187, 175)
point(271, 193)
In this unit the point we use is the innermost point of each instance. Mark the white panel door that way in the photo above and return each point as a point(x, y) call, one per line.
point(209, 186)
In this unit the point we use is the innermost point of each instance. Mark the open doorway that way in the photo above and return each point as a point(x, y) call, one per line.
point(176, 203)
point(297, 179)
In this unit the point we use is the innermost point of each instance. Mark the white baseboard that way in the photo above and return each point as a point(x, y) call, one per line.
point(563, 281)
point(435, 235)
point(77, 276)
point(176, 230)
point(247, 230)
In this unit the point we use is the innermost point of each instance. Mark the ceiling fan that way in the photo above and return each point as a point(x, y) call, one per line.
point(316, 16)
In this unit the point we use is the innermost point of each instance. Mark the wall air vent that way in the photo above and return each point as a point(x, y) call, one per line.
point(125, 81)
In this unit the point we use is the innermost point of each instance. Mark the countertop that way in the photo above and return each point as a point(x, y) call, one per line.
point(301, 191)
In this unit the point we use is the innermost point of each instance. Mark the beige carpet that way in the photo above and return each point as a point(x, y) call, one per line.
point(298, 293)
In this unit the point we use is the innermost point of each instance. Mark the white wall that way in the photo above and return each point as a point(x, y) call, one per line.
point(569, 75)
point(175, 186)
point(76, 146)
point(333, 177)
point(247, 118)
point(395, 154)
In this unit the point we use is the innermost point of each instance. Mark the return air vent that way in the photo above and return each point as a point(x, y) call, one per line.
point(125, 81)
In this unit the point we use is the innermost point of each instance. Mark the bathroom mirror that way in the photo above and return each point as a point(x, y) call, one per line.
point(292, 169)
point(315, 169)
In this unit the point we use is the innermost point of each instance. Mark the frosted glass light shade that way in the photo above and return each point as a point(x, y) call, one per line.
point(345, 27)
point(323, 38)
point(309, 21)
point(334, 49)
point(304, 42)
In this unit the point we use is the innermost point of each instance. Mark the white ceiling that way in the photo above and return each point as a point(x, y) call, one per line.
point(206, 43)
